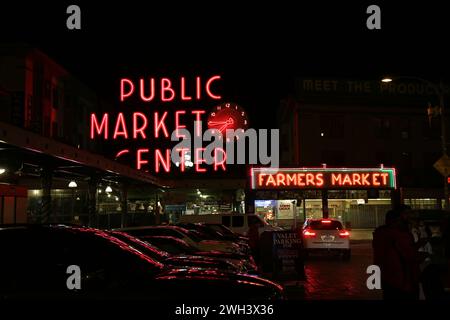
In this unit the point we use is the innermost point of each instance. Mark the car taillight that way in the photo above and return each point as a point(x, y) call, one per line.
point(309, 234)
point(344, 234)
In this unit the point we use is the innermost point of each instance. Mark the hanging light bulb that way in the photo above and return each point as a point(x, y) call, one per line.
point(72, 184)
point(108, 189)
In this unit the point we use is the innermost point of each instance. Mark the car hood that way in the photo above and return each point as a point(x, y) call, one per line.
point(210, 274)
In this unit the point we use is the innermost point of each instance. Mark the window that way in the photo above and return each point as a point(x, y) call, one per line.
point(332, 126)
point(55, 101)
point(382, 128)
point(238, 221)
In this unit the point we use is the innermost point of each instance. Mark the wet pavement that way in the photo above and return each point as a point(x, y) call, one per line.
point(329, 277)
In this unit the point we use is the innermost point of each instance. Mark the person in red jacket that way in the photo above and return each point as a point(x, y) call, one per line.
point(396, 255)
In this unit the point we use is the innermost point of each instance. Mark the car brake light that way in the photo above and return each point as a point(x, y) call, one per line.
point(309, 234)
point(325, 221)
point(344, 234)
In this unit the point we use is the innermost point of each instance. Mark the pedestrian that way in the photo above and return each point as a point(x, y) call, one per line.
point(396, 255)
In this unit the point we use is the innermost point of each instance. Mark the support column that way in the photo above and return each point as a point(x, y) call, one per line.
point(92, 200)
point(250, 196)
point(325, 214)
point(46, 205)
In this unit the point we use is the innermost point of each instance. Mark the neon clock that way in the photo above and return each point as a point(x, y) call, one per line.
point(227, 116)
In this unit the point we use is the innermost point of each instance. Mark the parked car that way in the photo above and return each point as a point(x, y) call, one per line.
point(176, 246)
point(238, 223)
point(38, 261)
point(326, 235)
point(177, 260)
point(181, 233)
point(206, 233)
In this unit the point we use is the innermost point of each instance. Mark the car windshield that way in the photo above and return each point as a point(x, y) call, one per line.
point(325, 225)
point(142, 246)
point(170, 245)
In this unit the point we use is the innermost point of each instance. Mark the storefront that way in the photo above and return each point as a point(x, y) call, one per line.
point(359, 197)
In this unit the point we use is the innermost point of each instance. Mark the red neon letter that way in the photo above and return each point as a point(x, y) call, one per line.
point(208, 89)
point(319, 178)
point(291, 178)
point(270, 180)
point(384, 175)
point(301, 176)
point(141, 129)
point(310, 179)
point(183, 90)
point(166, 85)
point(375, 181)
point(199, 160)
point(124, 95)
point(159, 158)
point(139, 158)
point(281, 179)
point(177, 124)
point(365, 179)
point(336, 179)
point(356, 179)
point(160, 124)
point(198, 88)
point(198, 120)
point(96, 128)
point(120, 123)
point(221, 163)
point(142, 90)
point(182, 160)
point(260, 179)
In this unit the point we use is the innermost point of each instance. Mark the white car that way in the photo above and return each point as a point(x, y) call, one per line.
point(326, 235)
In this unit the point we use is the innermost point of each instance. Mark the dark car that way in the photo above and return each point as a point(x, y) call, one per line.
point(44, 262)
point(177, 247)
point(177, 260)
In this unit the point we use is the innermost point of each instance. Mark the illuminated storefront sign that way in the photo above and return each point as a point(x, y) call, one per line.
point(323, 178)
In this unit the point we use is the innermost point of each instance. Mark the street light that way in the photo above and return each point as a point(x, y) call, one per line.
point(72, 184)
point(440, 92)
point(2, 170)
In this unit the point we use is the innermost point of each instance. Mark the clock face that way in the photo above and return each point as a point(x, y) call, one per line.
point(227, 116)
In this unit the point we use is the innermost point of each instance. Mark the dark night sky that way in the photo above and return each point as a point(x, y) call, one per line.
point(257, 49)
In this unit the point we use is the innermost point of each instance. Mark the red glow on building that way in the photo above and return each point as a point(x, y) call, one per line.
point(130, 92)
point(208, 87)
point(142, 90)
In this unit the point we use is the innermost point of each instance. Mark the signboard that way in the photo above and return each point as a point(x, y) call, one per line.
point(443, 165)
point(287, 253)
point(323, 178)
point(285, 209)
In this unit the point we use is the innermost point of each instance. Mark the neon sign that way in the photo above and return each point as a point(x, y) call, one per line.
point(323, 178)
point(163, 124)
